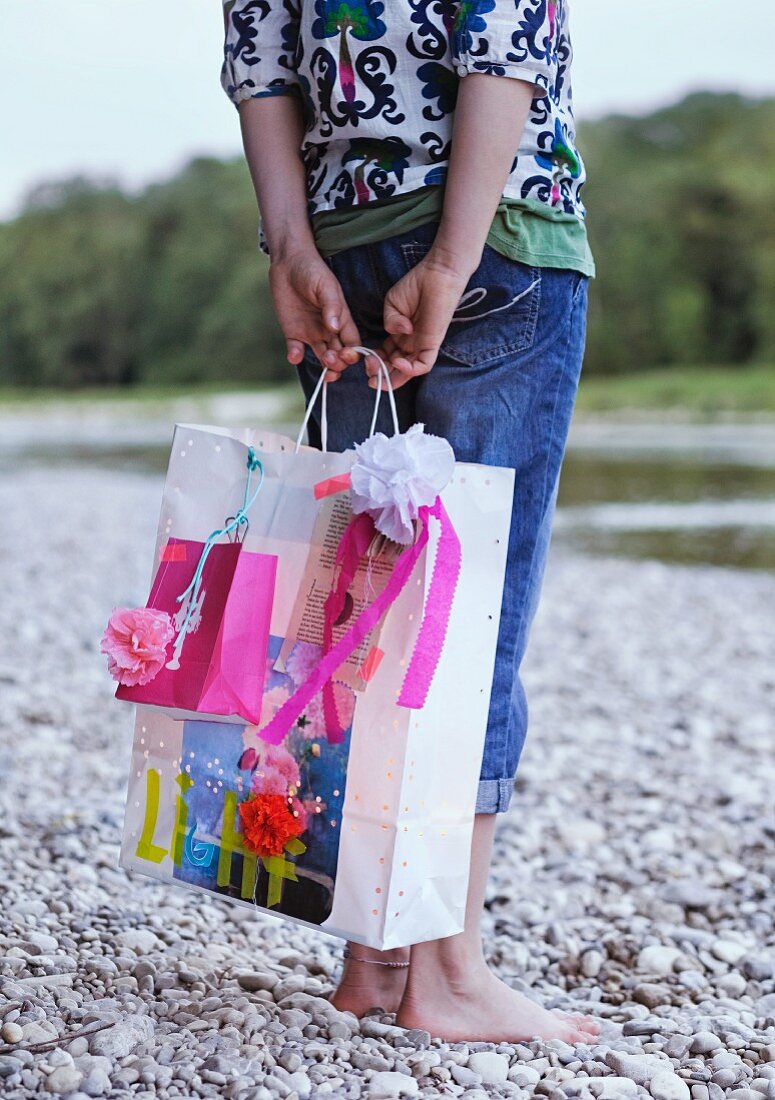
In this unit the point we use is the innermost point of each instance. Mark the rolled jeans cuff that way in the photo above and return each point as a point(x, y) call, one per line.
point(494, 796)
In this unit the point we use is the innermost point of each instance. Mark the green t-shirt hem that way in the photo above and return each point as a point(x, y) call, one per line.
point(508, 244)
point(524, 230)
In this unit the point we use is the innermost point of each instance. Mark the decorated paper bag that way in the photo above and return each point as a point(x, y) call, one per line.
point(350, 805)
point(212, 807)
point(199, 645)
point(216, 662)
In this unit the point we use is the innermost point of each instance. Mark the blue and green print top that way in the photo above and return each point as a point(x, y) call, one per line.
point(378, 84)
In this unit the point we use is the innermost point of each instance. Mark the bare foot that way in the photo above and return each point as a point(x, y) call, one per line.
point(366, 985)
point(477, 1006)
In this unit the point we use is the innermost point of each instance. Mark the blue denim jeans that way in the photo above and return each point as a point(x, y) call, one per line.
point(502, 392)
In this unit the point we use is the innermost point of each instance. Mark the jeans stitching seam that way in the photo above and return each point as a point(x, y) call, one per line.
point(413, 251)
point(525, 341)
point(497, 309)
point(579, 286)
point(552, 430)
point(495, 791)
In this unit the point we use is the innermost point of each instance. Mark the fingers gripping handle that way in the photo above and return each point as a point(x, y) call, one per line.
point(322, 385)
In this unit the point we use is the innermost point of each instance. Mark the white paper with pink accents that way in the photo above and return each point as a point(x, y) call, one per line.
point(412, 775)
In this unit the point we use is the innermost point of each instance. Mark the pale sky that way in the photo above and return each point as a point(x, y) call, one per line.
point(129, 88)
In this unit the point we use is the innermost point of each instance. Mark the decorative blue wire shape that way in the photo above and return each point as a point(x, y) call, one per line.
point(233, 524)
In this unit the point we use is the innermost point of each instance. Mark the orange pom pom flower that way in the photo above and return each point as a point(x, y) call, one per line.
point(268, 824)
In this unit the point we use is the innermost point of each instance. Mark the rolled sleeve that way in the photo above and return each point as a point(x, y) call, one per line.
point(259, 50)
point(512, 38)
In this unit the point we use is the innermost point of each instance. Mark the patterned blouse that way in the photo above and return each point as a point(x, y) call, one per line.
point(378, 84)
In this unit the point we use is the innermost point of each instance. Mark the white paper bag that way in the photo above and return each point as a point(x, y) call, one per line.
point(388, 811)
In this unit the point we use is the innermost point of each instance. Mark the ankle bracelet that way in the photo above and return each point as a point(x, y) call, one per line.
point(374, 962)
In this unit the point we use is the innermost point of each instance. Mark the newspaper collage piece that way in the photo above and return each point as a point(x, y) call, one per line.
point(306, 622)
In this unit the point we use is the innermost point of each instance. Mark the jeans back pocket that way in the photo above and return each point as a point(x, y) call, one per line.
point(498, 310)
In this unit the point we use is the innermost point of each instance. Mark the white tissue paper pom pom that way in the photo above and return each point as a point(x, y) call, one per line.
point(394, 476)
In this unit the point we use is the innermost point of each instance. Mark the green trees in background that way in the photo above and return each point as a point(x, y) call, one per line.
point(682, 222)
point(97, 287)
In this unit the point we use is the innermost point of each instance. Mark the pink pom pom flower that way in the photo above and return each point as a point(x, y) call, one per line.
point(135, 642)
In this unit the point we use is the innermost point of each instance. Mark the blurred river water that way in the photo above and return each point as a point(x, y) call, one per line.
point(692, 493)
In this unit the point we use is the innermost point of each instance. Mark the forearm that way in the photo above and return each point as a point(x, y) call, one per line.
point(307, 297)
point(271, 135)
point(490, 116)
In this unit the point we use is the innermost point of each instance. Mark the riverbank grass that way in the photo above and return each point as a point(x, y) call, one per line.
point(691, 393)
point(696, 393)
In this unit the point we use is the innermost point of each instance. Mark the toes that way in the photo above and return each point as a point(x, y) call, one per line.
point(572, 1035)
point(584, 1024)
point(576, 1031)
point(587, 1024)
point(588, 1031)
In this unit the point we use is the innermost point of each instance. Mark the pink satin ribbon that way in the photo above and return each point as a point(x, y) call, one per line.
point(355, 541)
point(353, 545)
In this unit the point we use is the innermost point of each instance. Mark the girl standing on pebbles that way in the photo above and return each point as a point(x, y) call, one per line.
point(415, 169)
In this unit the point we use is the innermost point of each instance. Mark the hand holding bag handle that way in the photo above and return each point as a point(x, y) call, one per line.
point(322, 385)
